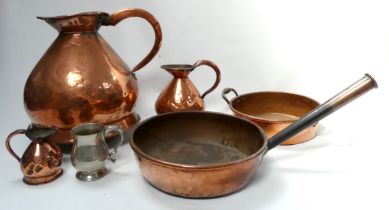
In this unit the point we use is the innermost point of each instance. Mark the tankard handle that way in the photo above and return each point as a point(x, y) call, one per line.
point(8, 142)
point(215, 68)
point(109, 129)
point(120, 15)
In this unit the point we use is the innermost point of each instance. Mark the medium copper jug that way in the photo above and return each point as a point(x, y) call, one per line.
point(41, 162)
point(181, 94)
point(81, 79)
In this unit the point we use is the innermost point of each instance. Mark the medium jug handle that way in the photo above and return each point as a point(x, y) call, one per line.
point(120, 15)
point(215, 68)
point(8, 141)
point(114, 128)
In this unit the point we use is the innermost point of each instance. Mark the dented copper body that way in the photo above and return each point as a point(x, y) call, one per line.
point(81, 79)
point(41, 162)
point(181, 94)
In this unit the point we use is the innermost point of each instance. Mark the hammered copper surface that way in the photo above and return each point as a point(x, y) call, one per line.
point(41, 162)
point(274, 111)
point(181, 94)
point(81, 79)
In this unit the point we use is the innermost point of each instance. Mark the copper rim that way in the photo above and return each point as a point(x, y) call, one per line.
point(265, 120)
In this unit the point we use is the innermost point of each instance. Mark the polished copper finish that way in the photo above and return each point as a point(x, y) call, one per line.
point(274, 111)
point(81, 79)
point(208, 154)
point(41, 162)
point(181, 94)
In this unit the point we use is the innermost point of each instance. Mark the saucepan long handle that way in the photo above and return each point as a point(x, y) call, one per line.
point(357, 89)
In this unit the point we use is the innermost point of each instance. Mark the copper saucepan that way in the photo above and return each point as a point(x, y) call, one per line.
point(274, 111)
point(207, 154)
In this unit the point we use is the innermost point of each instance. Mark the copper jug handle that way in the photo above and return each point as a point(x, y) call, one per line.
point(120, 15)
point(215, 68)
point(227, 91)
point(8, 141)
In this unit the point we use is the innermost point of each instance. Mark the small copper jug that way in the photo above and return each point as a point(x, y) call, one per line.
point(181, 94)
point(81, 79)
point(41, 162)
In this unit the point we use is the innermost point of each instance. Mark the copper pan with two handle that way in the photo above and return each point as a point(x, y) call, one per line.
point(273, 111)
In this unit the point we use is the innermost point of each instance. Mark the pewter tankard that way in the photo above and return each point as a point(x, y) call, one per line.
point(90, 151)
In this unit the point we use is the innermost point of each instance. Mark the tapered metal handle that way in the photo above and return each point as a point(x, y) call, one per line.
point(113, 128)
point(8, 142)
point(352, 92)
point(120, 15)
point(215, 68)
point(227, 91)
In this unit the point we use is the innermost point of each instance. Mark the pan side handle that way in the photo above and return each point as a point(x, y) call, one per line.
point(227, 91)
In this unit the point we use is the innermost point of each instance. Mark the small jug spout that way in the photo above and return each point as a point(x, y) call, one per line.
point(178, 70)
point(81, 22)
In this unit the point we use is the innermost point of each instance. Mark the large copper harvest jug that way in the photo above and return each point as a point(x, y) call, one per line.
point(81, 79)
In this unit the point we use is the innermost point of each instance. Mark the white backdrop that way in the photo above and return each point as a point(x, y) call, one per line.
point(311, 47)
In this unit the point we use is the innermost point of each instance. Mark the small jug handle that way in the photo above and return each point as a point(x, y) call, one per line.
point(109, 129)
point(227, 91)
point(8, 142)
point(120, 15)
point(215, 68)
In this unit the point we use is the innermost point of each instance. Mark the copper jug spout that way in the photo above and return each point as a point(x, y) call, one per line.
point(81, 22)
